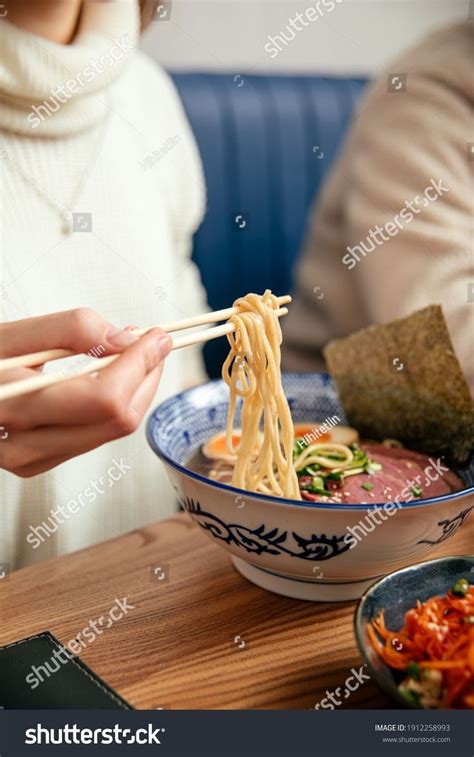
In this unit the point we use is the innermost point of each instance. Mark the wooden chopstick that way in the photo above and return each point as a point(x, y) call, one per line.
point(33, 384)
point(39, 358)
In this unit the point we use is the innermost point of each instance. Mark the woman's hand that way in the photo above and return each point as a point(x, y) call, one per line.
point(47, 427)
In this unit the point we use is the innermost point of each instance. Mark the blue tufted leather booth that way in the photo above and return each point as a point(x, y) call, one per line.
point(267, 143)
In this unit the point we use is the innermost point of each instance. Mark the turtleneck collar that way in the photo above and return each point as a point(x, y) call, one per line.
point(51, 90)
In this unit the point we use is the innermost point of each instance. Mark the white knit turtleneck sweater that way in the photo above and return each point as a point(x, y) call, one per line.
point(117, 147)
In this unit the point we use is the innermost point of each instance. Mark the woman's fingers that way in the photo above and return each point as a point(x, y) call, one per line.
point(125, 375)
point(80, 330)
point(37, 450)
point(90, 399)
point(146, 391)
point(82, 412)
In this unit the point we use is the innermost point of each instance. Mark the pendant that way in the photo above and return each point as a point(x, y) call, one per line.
point(67, 223)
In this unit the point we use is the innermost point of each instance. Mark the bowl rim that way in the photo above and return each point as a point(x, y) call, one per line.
point(331, 506)
point(358, 630)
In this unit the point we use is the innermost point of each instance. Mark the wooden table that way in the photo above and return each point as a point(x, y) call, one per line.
point(178, 647)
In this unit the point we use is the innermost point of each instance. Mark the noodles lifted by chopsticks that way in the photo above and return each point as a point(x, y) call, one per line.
point(252, 371)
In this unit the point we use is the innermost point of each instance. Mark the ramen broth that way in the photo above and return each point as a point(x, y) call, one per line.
point(401, 475)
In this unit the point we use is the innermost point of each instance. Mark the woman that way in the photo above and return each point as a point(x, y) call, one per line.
point(103, 191)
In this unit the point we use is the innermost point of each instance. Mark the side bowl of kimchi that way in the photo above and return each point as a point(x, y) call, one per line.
point(415, 632)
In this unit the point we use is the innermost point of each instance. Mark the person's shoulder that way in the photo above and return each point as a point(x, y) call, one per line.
point(433, 77)
point(442, 59)
point(445, 53)
point(453, 40)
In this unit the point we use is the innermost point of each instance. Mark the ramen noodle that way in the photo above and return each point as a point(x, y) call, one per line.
point(252, 370)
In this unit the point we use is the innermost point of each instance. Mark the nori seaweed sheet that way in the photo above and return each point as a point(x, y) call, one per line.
point(402, 380)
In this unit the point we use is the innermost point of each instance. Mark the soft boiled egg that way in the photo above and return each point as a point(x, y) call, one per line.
point(312, 433)
point(216, 449)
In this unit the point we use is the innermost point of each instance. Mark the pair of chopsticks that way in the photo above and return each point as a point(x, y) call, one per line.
point(25, 386)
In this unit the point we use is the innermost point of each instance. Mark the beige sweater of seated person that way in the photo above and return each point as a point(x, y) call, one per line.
point(409, 249)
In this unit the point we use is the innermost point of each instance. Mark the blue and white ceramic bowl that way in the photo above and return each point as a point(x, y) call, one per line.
point(299, 549)
point(397, 593)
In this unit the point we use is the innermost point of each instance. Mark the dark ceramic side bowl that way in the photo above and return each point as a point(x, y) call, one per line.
point(397, 593)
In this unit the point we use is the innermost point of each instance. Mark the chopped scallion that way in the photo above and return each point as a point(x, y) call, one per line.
point(460, 588)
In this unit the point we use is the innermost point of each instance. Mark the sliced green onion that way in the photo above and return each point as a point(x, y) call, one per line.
point(317, 486)
point(413, 670)
point(313, 470)
point(372, 467)
point(334, 475)
point(460, 588)
point(412, 697)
